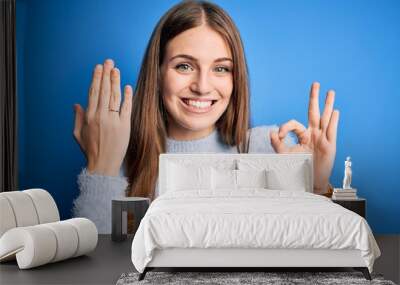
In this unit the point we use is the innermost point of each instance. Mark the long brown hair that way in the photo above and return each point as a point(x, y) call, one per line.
point(149, 118)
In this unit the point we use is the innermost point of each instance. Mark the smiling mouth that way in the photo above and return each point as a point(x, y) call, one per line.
point(198, 106)
point(186, 101)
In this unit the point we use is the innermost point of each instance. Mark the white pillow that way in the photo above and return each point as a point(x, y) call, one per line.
point(288, 179)
point(282, 174)
point(236, 179)
point(223, 179)
point(181, 177)
point(251, 178)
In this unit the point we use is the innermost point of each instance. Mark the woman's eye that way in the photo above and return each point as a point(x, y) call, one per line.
point(222, 69)
point(184, 67)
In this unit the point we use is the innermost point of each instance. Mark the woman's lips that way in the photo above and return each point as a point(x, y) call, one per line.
point(196, 110)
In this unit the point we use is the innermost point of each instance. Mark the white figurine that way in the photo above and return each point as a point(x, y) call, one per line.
point(347, 174)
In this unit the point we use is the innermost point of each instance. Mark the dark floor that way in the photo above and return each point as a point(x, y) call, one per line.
point(106, 264)
point(388, 263)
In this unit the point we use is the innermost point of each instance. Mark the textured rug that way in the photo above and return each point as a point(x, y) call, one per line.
point(230, 278)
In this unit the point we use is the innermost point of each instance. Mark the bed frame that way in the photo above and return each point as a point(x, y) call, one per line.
point(248, 259)
point(237, 259)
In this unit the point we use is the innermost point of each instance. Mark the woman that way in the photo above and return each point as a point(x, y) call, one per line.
point(192, 95)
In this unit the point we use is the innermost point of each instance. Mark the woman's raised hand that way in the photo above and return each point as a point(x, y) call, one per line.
point(319, 138)
point(103, 130)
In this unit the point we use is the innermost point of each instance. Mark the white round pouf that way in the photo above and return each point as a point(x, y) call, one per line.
point(67, 239)
point(23, 207)
point(87, 234)
point(32, 233)
point(45, 205)
point(33, 246)
point(7, 218)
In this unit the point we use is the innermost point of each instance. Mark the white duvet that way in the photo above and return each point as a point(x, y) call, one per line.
point(251, 218)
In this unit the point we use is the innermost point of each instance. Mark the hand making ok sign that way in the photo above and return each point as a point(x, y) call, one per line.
point(319, 138)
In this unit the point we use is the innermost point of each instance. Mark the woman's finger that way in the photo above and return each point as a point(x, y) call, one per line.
point(326, 116)
point(94, 90)
point(126, 109)
point(79, 121)
point(115, 100)
point(313, 107)
point(305, 137)
point(277, 143)
point(331, 132)
point(291, 126)
point(105, 89)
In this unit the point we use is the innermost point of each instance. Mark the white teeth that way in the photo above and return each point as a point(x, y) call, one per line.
point(199, 104)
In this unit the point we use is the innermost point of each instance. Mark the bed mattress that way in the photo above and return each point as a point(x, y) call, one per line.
point(252, 219)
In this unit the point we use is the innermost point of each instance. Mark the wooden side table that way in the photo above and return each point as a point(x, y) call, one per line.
point(358, 205)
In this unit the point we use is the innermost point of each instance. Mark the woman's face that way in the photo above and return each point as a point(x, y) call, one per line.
point(197, 82)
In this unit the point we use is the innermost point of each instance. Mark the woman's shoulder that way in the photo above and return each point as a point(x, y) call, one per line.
point(260, 140)
point(263, 128)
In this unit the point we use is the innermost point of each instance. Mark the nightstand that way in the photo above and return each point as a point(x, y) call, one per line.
point(122, 209)
point(357, 205)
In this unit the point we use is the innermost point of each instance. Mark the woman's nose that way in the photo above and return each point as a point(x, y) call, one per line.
point(201, 84)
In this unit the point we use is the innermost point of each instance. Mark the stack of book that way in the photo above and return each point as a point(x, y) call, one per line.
point(344, 194)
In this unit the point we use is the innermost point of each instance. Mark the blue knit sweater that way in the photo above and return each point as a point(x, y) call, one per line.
point(97, 191)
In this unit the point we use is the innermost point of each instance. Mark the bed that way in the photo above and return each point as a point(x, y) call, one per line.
point(247, 211)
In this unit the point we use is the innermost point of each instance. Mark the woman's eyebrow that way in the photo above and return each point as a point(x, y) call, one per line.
point(195, 59)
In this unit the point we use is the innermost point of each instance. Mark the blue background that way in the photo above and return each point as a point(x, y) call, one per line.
point(349, 46)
